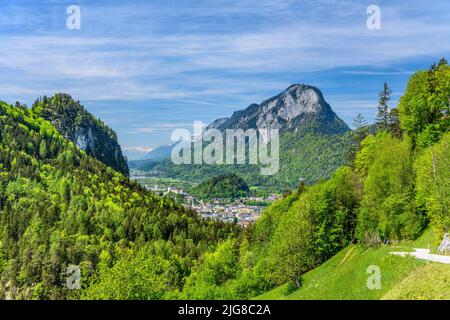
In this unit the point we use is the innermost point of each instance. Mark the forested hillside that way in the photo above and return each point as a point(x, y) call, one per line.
point(305, 157)
point(61, 207)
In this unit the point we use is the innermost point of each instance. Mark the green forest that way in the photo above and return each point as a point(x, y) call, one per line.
point(222, 187)
point(60, 207)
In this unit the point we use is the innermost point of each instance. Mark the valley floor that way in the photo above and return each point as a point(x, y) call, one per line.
point(345, 275)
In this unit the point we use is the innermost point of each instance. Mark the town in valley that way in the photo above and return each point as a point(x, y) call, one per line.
point(242, 211)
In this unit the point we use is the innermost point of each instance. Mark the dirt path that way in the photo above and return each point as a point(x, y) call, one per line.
point(424, 254)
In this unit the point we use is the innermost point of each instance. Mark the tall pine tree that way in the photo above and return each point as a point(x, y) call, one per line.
point(361, 131)
point(382, 121)
point(361, 127)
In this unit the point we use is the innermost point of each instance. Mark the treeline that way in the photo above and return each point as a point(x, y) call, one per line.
point(61, 207)
point(397, 183)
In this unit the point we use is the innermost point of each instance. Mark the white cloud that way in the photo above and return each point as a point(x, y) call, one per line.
point(136, 149)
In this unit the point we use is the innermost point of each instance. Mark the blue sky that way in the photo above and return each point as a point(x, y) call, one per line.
point(149, 67)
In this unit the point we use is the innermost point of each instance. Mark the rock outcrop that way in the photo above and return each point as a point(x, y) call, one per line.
point(444, 247)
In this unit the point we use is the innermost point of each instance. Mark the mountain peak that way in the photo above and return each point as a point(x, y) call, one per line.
point(300, 107)
point(88, 133)
point(296, 100)
point(301, 87)
point(299, 90)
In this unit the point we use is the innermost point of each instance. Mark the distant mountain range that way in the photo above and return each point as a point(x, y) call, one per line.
point(313, 141)
point(154, 155)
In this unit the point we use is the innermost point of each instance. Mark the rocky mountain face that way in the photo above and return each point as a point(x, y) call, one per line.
point(299, 108)
point(89, 134)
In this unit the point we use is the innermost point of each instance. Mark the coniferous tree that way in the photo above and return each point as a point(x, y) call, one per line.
point(442, 62)
point(394, 123)
point(435, 66)
point(383, 108)
point(360, 123)
point(301, 187)
point(361, 131)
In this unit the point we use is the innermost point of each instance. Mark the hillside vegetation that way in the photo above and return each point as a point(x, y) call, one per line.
point(61, 207)
point(222, 187)
point(300, 160)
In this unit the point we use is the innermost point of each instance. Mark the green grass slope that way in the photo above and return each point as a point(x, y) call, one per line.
point(345, 275)
point(431, 281)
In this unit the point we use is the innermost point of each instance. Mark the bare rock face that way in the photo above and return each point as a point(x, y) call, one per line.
point(85, 140)
point(296, 100)
point(444, 247)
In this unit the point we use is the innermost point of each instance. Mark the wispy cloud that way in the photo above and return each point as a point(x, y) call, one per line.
point(160, 127)
point(378, 73)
